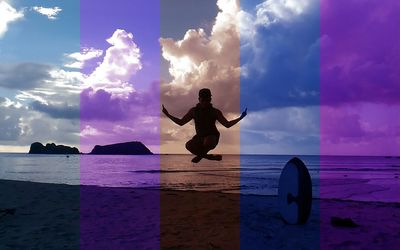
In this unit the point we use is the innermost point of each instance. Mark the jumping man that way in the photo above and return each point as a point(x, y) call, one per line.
point(207, 134)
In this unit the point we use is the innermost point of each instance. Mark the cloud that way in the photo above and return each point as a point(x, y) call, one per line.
point(52, 91)
point(50, 13)
point(293, 120)
point(111, 108)
point(79, 58)
point(89, 131)
point(201, 60)
point(6, 102)
point(120, 63)
point(286, 130)
point(43, 88)
point(39, 127)
point(360, 129)
point(359, 66)
point(280, 54)
point(24, 76)
point(136, 105)
point(10, 115)
point(8, 14)
point(20, 126)
point(9, 121)
point(64, 111)
point(272, 11)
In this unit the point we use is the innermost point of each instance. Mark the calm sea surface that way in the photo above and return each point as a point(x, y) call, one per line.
point(341, 177)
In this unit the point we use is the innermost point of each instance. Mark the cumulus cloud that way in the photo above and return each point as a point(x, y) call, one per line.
point(272, 11)
point(201, 60)
point(50, 13)
point(8, 14)
point(120, 63)
point(79, 58)
point(280, 54)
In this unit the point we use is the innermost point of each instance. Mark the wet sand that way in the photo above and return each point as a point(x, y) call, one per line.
point(50, 216)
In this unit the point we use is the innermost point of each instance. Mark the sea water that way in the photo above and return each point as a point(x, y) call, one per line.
point(359, 178)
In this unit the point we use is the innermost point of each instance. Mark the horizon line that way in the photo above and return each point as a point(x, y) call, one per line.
point(245, 154)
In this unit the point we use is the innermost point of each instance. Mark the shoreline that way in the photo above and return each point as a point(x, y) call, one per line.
point(74, 216)
point(390, 203)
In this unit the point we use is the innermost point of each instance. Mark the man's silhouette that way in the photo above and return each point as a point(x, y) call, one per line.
point(207, 134)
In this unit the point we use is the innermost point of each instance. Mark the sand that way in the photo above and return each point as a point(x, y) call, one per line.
point(54, 216)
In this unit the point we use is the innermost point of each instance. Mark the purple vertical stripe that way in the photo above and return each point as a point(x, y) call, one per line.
point(119, 103)
point(360, 61)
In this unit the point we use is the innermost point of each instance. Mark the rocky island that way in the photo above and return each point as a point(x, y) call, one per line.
point(51, 148)
point(125, 148)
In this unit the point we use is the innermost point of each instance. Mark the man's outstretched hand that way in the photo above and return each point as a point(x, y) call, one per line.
point(243, 114)
point(164, 110)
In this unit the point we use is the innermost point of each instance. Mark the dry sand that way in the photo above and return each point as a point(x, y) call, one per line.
point(53, 216)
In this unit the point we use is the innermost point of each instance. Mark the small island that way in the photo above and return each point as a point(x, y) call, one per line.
point(51, 148)
point(125, 148)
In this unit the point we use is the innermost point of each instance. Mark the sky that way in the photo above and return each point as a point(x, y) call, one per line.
point(360, 83)
point(39, 97)
point(95, 73)
point(279, 81)
point(120, 97)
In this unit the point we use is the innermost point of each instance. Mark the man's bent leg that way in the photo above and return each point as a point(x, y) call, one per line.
point(200, 146)
point(210, 142)
point(194, 146)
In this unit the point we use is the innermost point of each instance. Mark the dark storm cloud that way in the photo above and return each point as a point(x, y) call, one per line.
point(23, 76)
point(63, 111)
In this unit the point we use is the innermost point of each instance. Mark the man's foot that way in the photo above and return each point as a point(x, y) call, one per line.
point(213, 157)
point(197, 159)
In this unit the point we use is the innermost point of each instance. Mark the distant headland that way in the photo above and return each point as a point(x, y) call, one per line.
point(51, 148)
point(125, 148)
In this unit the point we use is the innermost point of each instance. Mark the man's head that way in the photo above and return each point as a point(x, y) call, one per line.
point(204, 96)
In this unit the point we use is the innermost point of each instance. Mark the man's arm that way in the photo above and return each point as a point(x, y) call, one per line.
point(185, 119)
point(227, 124)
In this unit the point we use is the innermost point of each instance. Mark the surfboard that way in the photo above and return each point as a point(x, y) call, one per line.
point(295, 192)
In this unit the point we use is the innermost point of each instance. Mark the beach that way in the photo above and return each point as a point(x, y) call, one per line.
point(59, 216)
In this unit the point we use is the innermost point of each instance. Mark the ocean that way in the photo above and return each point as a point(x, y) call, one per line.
point(358, 178)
